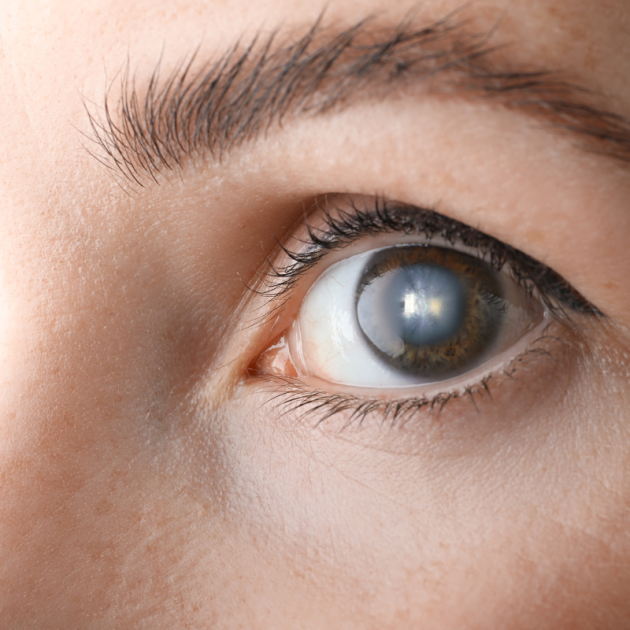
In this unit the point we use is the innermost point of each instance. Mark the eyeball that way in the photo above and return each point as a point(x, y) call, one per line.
point(408, 315)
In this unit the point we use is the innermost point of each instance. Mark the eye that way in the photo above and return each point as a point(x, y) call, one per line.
point(409, 315)
point(422, 310)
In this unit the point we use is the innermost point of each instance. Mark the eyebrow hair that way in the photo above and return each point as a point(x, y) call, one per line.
point(209, 110)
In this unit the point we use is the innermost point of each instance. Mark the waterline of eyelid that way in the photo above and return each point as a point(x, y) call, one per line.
point(283, 363)
point(319, 400)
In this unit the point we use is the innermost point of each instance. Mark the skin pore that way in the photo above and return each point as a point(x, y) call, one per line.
point(152, 475)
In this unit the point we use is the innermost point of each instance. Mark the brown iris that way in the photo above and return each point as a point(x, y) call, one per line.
point(430, 311)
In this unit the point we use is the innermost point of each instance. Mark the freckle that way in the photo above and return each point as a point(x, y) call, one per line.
point(535, 236)
point(104, 507)
point(611, 285)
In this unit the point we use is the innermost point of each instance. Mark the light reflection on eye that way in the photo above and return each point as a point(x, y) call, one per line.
point(408, 315)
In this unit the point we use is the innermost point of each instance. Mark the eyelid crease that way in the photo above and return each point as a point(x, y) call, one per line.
point(203, 110)
point(343, 226)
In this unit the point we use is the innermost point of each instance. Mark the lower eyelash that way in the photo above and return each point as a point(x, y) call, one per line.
point(291, 395)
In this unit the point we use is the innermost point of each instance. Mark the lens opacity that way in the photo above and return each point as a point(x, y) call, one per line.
point(429, 311)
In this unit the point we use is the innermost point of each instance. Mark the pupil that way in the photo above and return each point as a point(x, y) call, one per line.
point(426, 304)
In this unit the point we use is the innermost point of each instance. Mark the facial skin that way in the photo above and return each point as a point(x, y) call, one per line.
point(147, 480)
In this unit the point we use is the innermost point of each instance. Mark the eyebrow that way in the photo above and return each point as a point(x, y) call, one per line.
point(200, 112)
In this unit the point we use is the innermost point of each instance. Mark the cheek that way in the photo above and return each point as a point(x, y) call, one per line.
point(95, 466)
point(523, 528)
point(114, 516)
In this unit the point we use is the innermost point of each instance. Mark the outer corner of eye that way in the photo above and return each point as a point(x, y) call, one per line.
point(403, 316)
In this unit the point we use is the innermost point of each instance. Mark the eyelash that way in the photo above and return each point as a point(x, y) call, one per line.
point(344, 226)
point(295, 396)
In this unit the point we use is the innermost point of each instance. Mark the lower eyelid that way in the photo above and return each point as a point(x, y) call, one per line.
point(538, 375)
point(538, 378)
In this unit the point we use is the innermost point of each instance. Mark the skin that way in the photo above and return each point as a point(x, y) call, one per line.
point(145, 482)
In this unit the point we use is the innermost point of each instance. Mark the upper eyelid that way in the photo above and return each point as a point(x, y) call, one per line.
point(206, 112)
point(344, 226)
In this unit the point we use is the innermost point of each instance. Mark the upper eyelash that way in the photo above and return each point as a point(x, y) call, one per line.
point(345, 226)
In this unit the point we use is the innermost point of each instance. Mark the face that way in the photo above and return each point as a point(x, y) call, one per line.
point(315, 315)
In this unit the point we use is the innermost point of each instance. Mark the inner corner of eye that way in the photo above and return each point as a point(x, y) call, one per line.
point(276, 360)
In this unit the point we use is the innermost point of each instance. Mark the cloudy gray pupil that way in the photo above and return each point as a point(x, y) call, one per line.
point(428, 304)
point(420, 305)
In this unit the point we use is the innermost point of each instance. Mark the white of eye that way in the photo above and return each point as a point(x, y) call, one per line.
point(326, 341)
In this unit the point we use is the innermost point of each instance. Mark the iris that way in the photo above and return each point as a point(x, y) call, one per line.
point(429, 311)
